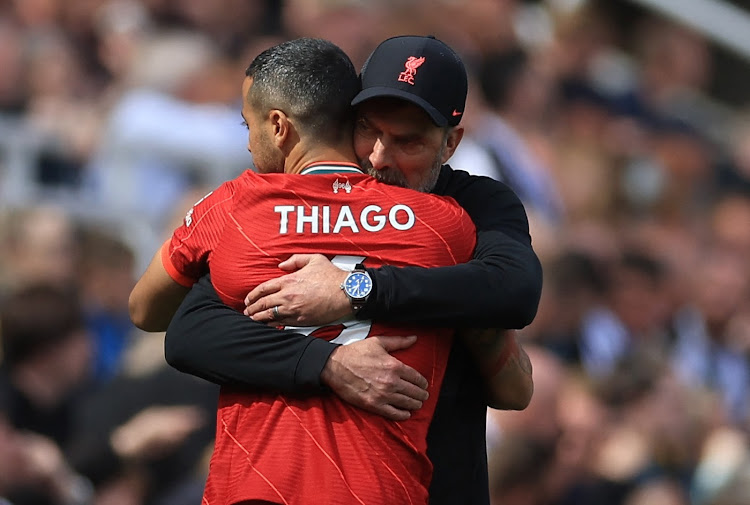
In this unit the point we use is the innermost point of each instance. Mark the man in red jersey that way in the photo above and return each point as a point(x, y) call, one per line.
point(499, 288)
point(285, 449)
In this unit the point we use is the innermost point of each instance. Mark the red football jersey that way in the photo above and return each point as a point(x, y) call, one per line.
point(288, 449)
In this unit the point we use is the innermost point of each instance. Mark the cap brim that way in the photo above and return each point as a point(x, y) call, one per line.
point(382, 91)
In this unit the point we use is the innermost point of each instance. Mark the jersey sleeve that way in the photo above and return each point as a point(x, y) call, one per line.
point(186, 254)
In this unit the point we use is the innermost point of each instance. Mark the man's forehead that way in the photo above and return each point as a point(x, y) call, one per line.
point(395, 110)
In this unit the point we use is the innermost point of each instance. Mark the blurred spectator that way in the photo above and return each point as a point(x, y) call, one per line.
point(9, 448)
point(573, 285)
point(663, 491)
point(39, 244)
point(46, 360)
point(735, 172)
point(585, 163)
point(708, 352)
point(12, 96)
point(736, 491)
point(539, 420)
point(158, 141)
point(517, 467)
point(632, 317)
point(729, 216)
point(685, 162)
point(115, 115)
point(59, 111)
point(107, 275)
point(675, 73)
point(723, 471)
point(516, 95)
point(522, 444)
point(44, 377)
point(145, 436)
point(34, 472)
point(353, 25)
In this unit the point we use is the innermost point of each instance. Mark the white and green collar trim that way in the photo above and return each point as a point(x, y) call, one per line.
point(331, 168)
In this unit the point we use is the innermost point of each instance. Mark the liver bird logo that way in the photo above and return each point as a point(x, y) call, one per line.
point(412, 64)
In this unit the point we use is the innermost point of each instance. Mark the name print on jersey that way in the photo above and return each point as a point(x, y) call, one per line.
point(318, 219)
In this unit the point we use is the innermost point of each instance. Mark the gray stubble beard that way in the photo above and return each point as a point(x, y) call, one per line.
point(394, 177)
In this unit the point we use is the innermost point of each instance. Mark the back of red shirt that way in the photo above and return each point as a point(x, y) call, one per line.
point(302, 450)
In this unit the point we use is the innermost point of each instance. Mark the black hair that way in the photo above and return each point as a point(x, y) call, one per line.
point(645, 264)
point(36, 318)
point(311, 80)
point(498, 72)
point(576, 271)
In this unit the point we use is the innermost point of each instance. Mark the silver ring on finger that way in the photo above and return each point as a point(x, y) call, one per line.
point(275, 312)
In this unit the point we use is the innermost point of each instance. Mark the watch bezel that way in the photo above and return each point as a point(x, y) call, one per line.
point(347, 287)
point(357, 302)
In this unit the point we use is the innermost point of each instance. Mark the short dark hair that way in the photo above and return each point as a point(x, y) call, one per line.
point(311, 80)
point(35, 318)
point(498, 72)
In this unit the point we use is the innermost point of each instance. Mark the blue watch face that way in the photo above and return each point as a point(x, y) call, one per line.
point(358, 285)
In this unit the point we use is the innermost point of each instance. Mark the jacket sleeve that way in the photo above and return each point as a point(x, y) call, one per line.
point(208, 339)
point(499, 288)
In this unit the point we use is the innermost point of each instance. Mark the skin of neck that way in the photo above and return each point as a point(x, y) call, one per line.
point(305, 153)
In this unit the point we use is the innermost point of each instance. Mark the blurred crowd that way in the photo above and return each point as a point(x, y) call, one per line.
point(116, 115)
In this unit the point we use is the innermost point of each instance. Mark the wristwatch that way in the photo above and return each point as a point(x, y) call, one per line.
point(357, 286)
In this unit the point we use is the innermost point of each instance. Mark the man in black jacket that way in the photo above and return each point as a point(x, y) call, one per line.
point(500, 288)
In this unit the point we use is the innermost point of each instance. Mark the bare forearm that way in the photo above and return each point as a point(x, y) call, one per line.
point(156, 314)
point(155, 297)
point(504, 365)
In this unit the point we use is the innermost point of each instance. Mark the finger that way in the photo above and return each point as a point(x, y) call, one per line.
point(263, 316)
point(396, 343)
point(404, 402)
point(262, 290)
point(414, 378)
point(296, 261)
point(263, 308)
point(391, 412)
point(415, 392)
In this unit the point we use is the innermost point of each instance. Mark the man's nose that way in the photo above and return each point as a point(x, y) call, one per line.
point(379, 158)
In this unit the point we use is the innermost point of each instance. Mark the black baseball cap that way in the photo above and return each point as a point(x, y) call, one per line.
point(422, 70)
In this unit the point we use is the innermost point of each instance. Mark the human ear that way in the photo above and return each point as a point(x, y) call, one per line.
point(451, 142)
point(280, 126)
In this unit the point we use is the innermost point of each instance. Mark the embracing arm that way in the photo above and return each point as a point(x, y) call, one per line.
point(204, 333)
point(155, 297)
point(500, 287)
point(208, 339)
point(504, 366)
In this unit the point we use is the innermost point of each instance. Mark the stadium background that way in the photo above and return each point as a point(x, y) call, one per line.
point(625, 128)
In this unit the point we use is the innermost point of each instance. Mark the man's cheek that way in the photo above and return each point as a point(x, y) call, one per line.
point(363, 147)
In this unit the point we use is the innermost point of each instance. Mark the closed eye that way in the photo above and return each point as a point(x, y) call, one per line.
point(410, 144)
